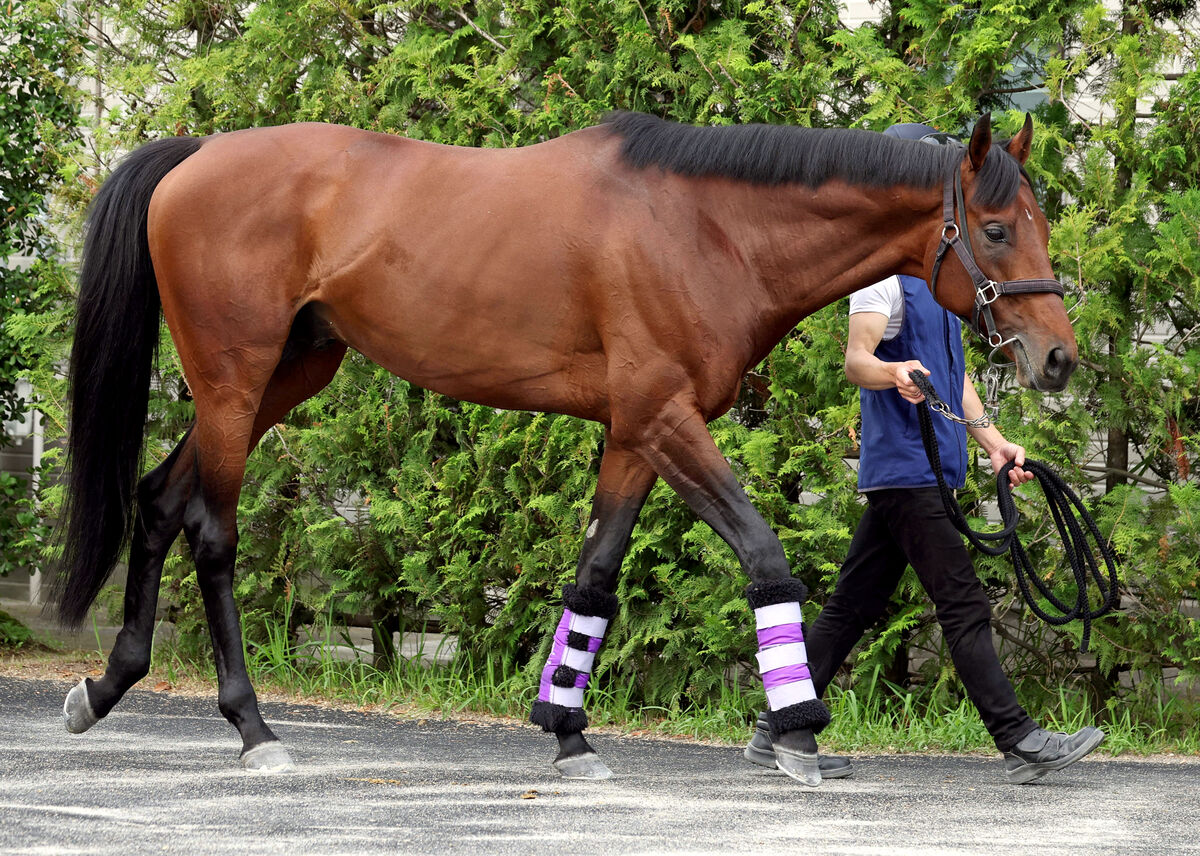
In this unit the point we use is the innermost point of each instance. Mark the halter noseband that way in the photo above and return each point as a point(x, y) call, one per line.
point(987, 290)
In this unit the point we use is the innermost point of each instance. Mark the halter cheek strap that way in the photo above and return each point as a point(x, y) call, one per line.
point(987, 290)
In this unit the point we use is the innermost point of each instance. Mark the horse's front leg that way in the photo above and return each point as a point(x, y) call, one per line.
point(681, 449)
point(625, 481)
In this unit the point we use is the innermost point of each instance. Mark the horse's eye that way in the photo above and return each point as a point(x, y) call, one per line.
point(995, 234)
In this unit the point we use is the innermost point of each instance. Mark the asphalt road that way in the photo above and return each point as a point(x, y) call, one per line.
point(160, 775)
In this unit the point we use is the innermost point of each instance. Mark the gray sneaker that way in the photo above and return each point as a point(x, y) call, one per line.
point(761, 751)
point(1042, 751)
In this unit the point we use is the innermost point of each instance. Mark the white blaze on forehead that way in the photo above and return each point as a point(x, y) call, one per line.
point(1028, 213)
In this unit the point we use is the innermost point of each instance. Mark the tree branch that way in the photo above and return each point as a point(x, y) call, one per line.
point(1092, 468)
point(1010, 90)
point(488, 36)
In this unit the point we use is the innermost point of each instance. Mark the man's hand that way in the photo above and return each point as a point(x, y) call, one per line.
point(1011, 452)
point(904, 385)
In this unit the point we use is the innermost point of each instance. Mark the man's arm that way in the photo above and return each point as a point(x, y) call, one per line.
point(865, 369)
point(998, 450)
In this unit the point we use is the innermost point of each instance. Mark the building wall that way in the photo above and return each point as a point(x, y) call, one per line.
point(16, 460)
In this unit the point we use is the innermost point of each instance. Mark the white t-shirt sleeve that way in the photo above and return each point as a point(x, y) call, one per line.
point(886, 298)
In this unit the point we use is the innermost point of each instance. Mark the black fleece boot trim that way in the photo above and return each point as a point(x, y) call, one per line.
point(812, 715)
point(564, 676)
point(578, 641)
point(771, 592)
point(558, 719)
point(589, 600)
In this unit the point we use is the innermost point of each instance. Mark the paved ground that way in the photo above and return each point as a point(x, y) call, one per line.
point(159, 775)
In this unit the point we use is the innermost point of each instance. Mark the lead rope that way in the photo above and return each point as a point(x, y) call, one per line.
point(1060, 498)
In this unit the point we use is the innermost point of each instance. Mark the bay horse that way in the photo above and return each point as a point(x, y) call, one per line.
point(628, 273)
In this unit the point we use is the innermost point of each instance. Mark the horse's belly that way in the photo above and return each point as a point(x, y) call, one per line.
point(488, 359)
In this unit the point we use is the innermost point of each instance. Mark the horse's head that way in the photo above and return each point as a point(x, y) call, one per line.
point(998, 276)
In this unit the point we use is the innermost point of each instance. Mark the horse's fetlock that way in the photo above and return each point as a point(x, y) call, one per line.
point(128, 660)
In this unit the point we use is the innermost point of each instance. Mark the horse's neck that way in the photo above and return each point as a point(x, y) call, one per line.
point(809, 247)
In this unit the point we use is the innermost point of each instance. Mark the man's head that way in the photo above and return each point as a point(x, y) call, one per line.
point(918, 131)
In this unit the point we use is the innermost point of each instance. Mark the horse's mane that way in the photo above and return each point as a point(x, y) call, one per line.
point(782, 154)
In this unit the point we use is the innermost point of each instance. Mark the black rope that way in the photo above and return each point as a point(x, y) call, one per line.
point(1061, 500)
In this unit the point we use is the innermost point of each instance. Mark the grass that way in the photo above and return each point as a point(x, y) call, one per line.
point(875, 716)
point(13, 634)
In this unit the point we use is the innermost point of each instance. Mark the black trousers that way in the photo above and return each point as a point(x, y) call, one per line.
point(909, 526)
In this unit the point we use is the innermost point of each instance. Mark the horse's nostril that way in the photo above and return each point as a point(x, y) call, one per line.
point(1058, 364)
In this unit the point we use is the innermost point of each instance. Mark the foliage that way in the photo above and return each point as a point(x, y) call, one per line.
point(38, 115)
point(377, 498)
point(13, 634)
point(38, 118)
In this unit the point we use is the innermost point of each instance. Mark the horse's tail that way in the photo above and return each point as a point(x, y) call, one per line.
point(116, 337)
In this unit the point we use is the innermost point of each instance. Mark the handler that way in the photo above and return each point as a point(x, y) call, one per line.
point(897, 327)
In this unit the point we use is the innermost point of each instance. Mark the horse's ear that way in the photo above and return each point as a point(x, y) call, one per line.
point(981, 141)
point(1020, 145)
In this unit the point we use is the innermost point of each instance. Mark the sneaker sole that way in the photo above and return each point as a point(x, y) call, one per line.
point(1032, 772)
point(767, 759)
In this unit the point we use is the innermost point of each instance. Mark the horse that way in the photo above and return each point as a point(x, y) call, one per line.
point(628, 273)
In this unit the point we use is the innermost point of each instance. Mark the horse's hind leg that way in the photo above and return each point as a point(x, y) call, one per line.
point(625, 481)
point(162, 495)
point(224, 437)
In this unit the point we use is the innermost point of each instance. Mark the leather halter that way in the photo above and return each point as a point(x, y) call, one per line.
point(987, 290)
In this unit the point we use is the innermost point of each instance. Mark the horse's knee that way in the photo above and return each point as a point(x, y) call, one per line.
point(764, 559)
point(162, 495)
point(217, 551)
point(599, 564)
point(214, 551)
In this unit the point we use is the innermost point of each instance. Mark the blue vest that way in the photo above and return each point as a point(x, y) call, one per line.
point(891, 451)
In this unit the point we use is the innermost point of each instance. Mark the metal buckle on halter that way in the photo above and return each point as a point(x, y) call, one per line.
point(984, 325)
point(988, 293)
point(946, 227)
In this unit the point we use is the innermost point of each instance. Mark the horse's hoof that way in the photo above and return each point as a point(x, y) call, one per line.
point(78, 715)
point(268, 758)
point(804, 767)
point(586, 766)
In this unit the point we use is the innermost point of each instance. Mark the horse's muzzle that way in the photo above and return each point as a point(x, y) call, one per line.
point(1060, 365)
point(1048, 373)
point(1055, 368)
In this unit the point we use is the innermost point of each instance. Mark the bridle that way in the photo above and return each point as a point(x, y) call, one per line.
point(987, 290)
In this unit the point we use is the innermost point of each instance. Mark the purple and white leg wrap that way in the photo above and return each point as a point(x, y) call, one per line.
point(580, 633)
point(782, 659)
